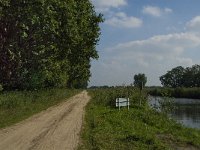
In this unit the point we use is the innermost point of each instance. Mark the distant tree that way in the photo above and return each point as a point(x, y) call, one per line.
point(140, 80)
point(192, 76)
point(182, 77)
point(173, 78)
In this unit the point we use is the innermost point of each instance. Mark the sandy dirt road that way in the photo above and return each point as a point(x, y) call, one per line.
point(57, 128)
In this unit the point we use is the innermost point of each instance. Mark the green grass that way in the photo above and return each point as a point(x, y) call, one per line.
point(19, 105)
point(139, 128)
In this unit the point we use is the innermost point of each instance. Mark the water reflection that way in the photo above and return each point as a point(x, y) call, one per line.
point(187, 111)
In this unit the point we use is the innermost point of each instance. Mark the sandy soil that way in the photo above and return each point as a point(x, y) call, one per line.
point(57, 128)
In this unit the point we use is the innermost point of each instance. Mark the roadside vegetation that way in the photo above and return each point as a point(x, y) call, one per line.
point(19, 105)
point(139, 128)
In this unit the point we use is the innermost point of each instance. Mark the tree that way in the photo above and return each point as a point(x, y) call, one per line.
point(47, 43)
point(29, 50)
point(182, 77)
point(140, 80)
point(84, 50)
point(191, 76)
point(173, 78)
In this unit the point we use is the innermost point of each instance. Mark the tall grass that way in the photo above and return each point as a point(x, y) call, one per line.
point(139, 128)
point(18, 105)
point(107, 97)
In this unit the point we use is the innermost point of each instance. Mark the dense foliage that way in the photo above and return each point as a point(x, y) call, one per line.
point(140, 80)
point(47, 43)
point(182, 77)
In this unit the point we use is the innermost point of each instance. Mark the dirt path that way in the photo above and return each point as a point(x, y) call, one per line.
point(57, 128)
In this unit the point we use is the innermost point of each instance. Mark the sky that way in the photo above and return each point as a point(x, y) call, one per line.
point(145, 36)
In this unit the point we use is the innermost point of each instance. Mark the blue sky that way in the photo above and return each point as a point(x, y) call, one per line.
point(145, 36)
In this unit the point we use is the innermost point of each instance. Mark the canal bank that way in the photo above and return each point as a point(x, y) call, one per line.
point(186, 111)
point(140, 127)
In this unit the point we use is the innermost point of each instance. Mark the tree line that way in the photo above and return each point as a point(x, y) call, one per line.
point(182, 77)
point(47, 43)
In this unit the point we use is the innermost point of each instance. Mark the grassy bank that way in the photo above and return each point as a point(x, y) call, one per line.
point(193, 93)
point(139, 128)
point(19, 105)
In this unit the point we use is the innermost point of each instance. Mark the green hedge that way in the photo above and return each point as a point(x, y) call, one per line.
point(175, 92)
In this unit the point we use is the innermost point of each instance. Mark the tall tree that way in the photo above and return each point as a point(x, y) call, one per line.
point(84, 50)
point(47, 42)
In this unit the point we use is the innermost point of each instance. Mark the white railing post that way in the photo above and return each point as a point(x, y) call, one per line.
point(128, 104)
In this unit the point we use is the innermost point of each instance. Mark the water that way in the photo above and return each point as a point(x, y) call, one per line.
point(187, 111)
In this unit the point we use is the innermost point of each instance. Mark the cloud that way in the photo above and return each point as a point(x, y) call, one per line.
point(115, 18)
point(106, 5)
point(160, 48)
point(122, 20)
point(168, 10)
point(155, 11)
point(152, 56)
point(194, 24)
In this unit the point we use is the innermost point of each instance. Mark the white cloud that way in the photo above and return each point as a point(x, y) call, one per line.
point(122, 20)
point(105, 5)
point(115, 18)
point(159, 47)
point(186, 61)
point(155, 11)
point(152, 56)
point(168, 10)
point(194, 24)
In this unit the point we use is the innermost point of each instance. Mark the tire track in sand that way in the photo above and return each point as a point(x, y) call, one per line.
point(57, 128)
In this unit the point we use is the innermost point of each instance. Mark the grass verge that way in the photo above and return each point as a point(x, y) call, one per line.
point(139, 128)
point(19, 105)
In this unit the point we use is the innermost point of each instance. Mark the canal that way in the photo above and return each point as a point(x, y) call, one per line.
point(187, 111)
